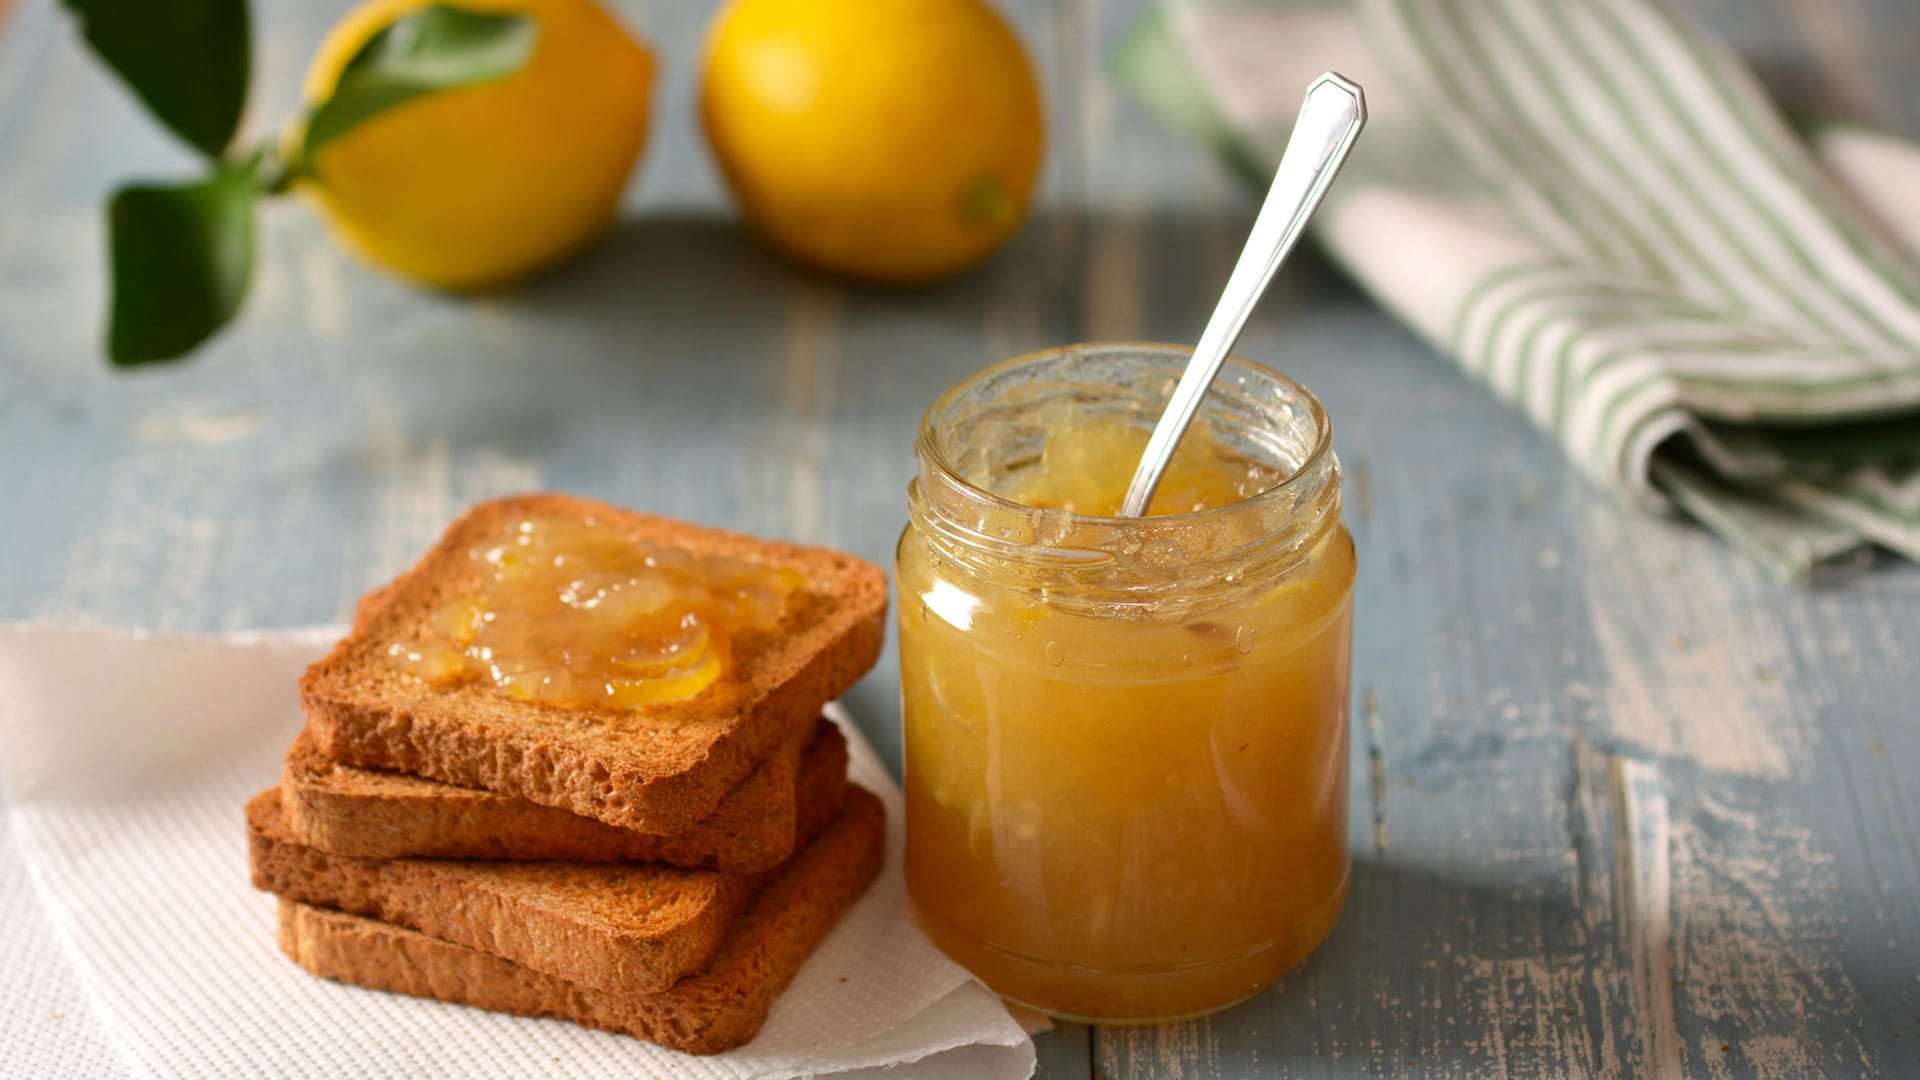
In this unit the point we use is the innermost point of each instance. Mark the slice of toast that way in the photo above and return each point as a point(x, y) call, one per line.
point(657, 768)
point(619, 927)
point(348, 810)
point(716, 1010)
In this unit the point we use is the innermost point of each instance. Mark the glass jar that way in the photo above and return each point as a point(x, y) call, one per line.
point(1125, 739)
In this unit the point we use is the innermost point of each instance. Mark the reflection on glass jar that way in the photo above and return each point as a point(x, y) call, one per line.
point(1126, 739)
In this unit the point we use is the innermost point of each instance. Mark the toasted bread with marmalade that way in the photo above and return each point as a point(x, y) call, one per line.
point(656, 768)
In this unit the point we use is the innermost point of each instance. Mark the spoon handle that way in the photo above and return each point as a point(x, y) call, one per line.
point(1330, 121)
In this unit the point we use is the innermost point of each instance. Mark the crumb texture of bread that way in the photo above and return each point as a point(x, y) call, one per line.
point(619, 927)
point(367, 813)
point(660, 768)
point(716, 1010)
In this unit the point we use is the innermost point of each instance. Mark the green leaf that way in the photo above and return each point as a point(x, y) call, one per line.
point(436, 48)
point(187, 59)
point(182, 256)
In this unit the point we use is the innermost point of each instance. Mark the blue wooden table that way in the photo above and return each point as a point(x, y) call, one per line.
point(1621, 805)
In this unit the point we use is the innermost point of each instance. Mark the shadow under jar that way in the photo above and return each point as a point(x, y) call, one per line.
point(1125, 739)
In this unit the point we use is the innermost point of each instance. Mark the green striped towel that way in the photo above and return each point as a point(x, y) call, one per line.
point(1595, 210)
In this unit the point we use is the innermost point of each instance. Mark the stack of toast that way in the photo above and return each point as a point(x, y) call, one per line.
point(658, 870)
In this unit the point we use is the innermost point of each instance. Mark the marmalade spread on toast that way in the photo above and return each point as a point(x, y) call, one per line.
point(572, 612)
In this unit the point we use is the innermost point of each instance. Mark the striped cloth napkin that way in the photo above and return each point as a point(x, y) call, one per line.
point(1593, 208)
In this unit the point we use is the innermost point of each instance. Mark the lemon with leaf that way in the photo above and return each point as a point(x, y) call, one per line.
point(893, 141)
point(460, 143)
point(482, 184)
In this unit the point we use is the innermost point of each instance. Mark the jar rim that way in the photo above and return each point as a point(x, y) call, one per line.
point(1310, 462)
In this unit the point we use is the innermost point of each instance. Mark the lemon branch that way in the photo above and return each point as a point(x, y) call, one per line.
point(182, 253)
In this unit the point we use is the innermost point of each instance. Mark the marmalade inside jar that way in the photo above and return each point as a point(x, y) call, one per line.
point(1121, 811)
point(576, 614)
point(1089, 459)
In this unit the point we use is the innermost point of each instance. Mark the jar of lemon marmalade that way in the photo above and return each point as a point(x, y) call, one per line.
point(1125, 739)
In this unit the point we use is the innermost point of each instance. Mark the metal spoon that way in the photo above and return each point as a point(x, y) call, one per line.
point(1330, 121)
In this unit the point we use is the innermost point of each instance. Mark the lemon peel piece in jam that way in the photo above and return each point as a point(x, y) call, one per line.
point(1089, 459)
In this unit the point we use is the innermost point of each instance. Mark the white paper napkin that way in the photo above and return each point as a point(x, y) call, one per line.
point(126, 759)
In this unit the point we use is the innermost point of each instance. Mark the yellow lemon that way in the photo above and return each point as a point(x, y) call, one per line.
point(479, 185)
point(892, 141)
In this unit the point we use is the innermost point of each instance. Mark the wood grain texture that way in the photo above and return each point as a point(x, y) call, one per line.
point(1622, 807)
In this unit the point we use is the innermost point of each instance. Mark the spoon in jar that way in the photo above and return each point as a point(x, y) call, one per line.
point(1330, 121)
